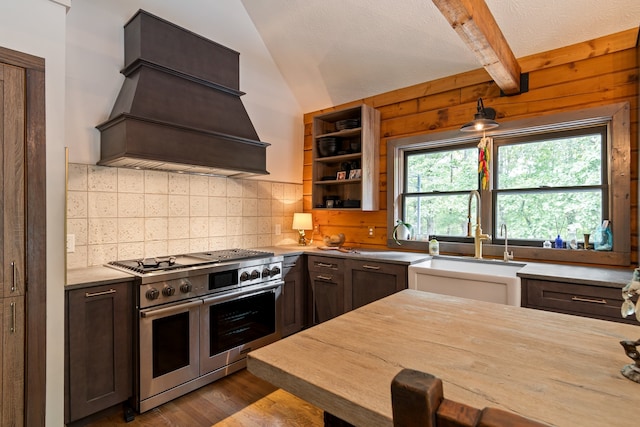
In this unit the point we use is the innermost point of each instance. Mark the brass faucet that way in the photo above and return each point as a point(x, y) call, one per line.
point(478, 237)
point(507, 256)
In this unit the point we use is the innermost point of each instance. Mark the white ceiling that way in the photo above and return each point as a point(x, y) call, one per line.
point(336, 51)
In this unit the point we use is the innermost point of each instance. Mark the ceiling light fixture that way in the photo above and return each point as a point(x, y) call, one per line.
point(482, 120)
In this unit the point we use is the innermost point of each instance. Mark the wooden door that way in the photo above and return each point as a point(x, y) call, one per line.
point(326, 279)
point(292, 295)
point(99, 333)
point(12, 206)
point(12, 361)
point(367, 281)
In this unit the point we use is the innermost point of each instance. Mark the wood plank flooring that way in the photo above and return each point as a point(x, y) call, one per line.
point(239, 400)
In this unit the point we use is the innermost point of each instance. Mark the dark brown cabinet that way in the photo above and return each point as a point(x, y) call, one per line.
point(293, 295)
point(368, 281)
point(12, 245)
point(99, 356)
point(326, 279)
point(339, 285)
point(598, 302)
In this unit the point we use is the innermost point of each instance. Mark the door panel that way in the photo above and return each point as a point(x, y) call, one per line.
point(13, 148)
point(12, 233)
point(13, 361)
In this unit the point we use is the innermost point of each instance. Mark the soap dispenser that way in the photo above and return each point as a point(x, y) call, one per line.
point(434, 247)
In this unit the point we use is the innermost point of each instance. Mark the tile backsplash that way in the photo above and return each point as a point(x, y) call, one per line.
point(118, 213)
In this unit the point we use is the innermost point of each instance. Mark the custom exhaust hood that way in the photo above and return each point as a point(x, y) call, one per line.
point(179, 108)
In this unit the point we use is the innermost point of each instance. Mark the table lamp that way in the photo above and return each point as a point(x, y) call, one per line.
point(301, 222)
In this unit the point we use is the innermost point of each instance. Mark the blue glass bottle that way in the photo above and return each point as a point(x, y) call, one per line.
point(559, 242)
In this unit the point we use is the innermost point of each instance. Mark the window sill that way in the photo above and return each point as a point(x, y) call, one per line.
point(580, 256)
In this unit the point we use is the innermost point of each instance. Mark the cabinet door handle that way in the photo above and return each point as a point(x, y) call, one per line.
point(593, 301)
point(328, 278)
point(322, 264)
point(371, 267)
point(170, 310)
point(13, 276)
point(97, 294)
point(13, 317)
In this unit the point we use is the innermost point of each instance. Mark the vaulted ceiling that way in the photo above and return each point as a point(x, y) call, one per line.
point(335, 51)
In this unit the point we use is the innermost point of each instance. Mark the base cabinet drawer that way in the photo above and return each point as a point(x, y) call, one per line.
point(583, 300)
point(322, 264)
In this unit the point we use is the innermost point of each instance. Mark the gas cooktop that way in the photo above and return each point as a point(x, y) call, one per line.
point(176, 262)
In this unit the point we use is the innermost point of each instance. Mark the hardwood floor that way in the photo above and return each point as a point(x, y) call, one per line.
point(239, 400)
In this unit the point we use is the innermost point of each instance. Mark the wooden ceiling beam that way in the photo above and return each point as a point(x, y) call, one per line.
point(477, 27)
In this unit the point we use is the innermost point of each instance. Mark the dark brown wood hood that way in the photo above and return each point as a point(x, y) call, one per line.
point(179, 108)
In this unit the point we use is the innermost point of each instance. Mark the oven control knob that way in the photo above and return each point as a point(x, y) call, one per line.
point(185, 287)
point(152, 294)
point(168, 291)
point(275, 271)
point(244, 276)
point(255, 274)
point(266, 272)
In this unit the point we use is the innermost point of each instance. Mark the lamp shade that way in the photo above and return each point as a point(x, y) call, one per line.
point(302, 221)
point(482, 120)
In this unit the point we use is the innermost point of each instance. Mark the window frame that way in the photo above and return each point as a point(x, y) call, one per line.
point(615, 117)
point(604, 186)
point(405, 193)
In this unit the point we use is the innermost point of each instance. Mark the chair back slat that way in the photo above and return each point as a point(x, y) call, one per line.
point(417, 400)
point(415, 397)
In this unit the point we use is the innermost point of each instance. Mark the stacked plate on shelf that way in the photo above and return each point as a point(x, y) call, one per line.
point(347, 124)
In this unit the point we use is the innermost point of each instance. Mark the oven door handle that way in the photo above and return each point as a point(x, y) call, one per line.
point(169, 310)
point(244, 292)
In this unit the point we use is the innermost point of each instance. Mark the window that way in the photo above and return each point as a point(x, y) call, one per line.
point(545, 185)
point(550, 184)
point(437, 184)
point(551, 175)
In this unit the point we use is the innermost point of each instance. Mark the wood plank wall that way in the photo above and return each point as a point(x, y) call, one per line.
point(593, 73)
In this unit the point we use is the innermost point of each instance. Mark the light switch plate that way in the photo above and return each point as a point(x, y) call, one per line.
point(71, 243)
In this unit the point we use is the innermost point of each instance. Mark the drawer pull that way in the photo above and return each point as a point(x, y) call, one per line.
point(289, 265)
point(323, 264)
point(328, 278)
point(371, 267)
point(13, 317)
point(97, 294)
point(594, 301)
point(13, 276)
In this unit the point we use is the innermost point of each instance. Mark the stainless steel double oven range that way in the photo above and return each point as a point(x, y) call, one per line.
point(198, 316)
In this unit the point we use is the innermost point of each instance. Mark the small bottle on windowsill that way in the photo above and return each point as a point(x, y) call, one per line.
point(559, 243)
point(434, 247)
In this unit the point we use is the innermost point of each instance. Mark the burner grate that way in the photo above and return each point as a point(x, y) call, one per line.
point(231, 254)
point(148, 265)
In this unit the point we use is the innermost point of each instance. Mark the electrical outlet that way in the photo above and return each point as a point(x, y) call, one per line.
point(371, 231)
point(278, 229)
point(71, 243)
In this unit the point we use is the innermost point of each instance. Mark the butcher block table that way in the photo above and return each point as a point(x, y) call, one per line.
point(553, 368)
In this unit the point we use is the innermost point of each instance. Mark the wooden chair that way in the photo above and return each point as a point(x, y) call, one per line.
point(418, 401)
